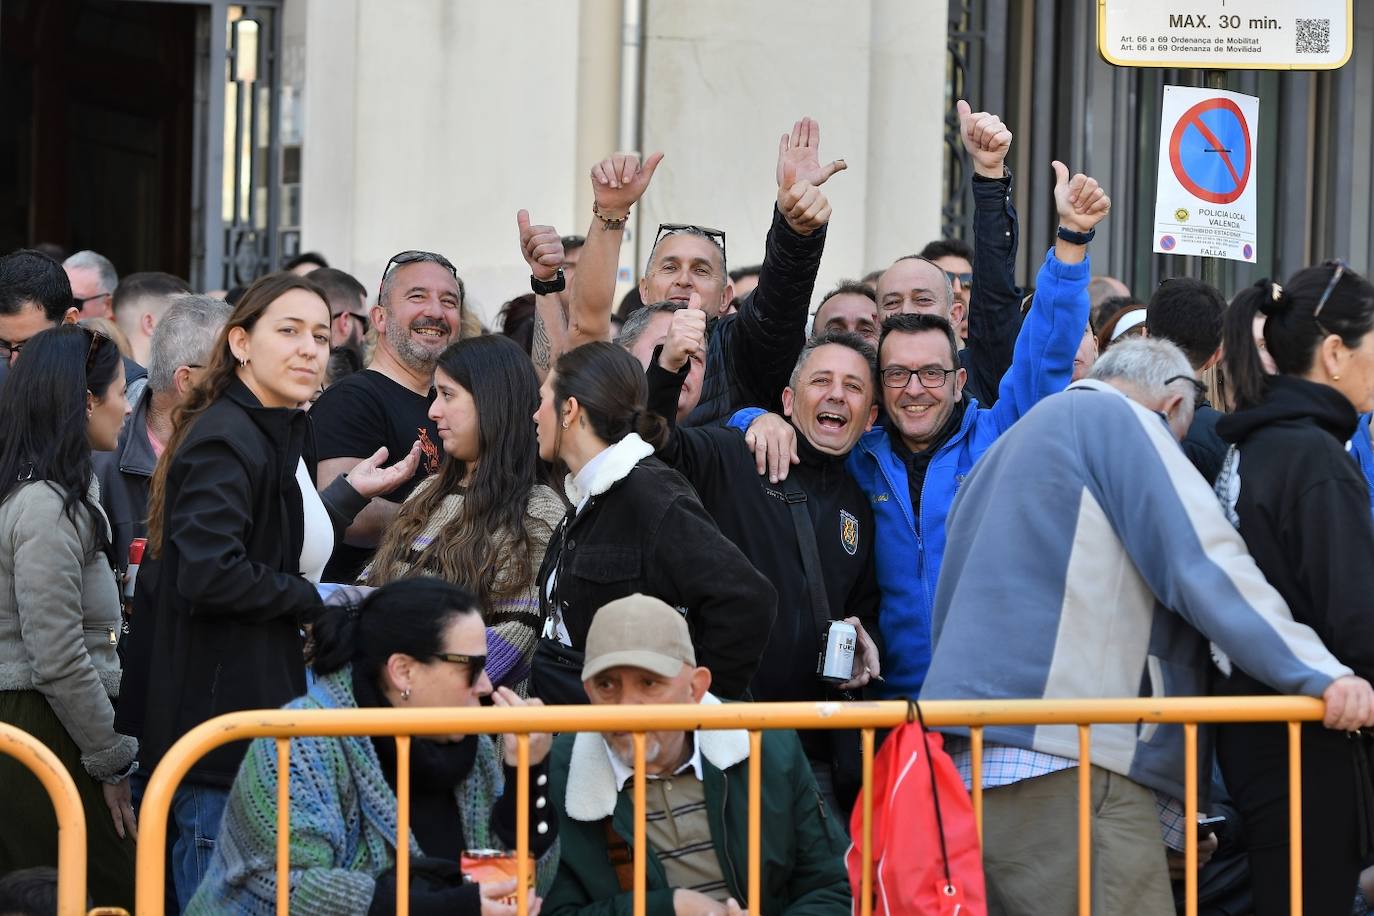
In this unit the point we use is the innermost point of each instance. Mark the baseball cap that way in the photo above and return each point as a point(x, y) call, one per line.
point(641, 632)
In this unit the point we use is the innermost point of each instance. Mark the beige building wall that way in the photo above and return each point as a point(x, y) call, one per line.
point(429, 123)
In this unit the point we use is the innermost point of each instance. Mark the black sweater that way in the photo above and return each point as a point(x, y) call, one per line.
point(1304, 514)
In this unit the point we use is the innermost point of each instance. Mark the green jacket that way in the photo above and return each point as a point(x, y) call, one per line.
point(801, 850)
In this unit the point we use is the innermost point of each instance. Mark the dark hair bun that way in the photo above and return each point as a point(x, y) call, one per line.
point(1273, 299)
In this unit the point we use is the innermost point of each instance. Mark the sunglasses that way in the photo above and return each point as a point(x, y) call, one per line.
point(965, 280)
point(1336, 275)
point(412, 257)
point(96, 338)
point(715, 235)
point(476, 664)
point(1199, 389)
point(361, 319)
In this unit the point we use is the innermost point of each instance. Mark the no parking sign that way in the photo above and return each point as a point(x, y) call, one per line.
point(1205, 198)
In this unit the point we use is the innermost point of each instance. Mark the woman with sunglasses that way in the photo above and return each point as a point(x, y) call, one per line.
point(1301, 505)
point(414, 644)
point(237, 540)
point(636, 525)
point(59, 604)
point(484, 520)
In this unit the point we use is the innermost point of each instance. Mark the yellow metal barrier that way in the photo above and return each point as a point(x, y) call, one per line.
point(71, 818)
point(753, 717)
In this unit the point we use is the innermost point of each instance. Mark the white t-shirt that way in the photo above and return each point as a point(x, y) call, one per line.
point(318, 542)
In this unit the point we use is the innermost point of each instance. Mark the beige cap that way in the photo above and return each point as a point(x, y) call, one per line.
point(641, 632)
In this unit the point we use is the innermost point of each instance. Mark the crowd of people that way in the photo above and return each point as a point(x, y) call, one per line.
point(319, 494)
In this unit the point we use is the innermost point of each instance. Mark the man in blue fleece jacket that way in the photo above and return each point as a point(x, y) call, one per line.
point(911, 470)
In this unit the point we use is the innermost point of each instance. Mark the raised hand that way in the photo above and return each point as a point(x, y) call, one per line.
point(370, 479)
point(542, 247)
point(1082, 203)
point(686, 336)
point(801, 203)
point(986, 138)
point(801, 150)
point(619, 181)
point(540, 743)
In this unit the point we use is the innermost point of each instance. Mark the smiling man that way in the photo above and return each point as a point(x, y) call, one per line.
point(831, 401)
point(419, 312)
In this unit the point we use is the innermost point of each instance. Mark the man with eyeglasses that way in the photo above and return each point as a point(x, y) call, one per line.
point(1188, 313)
point(749, 354)
point(981, 298)
point(419, 312)
point(347, 300)
point(93, 280)
point(912, 469)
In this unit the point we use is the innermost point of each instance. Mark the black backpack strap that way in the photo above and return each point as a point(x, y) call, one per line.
point(810, 555)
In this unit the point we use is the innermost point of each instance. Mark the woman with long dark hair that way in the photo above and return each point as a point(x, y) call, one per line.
point(1302, 507)
point(59, 604)
point(415, 644)
point(635, 525)
point(484, 520)
point(238, 539)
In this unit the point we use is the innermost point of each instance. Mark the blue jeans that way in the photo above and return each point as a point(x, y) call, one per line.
point(196, 811)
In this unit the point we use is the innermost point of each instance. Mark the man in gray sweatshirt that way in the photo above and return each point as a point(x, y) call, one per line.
point(1104, 555)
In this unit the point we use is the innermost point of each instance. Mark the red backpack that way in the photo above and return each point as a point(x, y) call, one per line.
point(926, 856)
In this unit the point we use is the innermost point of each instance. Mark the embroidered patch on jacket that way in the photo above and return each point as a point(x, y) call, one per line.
point(849, 533)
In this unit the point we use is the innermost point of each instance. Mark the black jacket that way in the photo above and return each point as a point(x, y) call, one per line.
point(994, 306)
point(1304, 514)
point(754, 514)
point(124, 475)
point(1204, 448)
point(217, 615)
point(647, 533)
point(751, 353)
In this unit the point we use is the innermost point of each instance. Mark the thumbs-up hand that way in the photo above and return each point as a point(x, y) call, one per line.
point(542, 247)
point(686, 337)
point(986, 139)
point(1082, 203)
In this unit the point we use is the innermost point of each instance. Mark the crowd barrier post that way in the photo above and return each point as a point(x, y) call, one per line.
point(404, 724)
point(71, 818)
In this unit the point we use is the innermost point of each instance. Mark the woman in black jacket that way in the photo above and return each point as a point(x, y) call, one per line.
point(635, 525)
point(238, 538)
point(1300, 502)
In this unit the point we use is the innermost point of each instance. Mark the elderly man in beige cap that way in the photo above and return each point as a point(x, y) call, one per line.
point(697, 800)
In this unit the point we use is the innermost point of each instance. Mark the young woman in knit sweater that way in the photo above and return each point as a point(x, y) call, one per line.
point(484, 520)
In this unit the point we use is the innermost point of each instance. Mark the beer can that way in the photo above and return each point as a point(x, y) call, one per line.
point(481, 866)
point(836, 663)
point(136, 548)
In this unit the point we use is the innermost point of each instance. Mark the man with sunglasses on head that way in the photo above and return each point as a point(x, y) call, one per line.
point(975, 291)
point(749, 354)
point(419, 312)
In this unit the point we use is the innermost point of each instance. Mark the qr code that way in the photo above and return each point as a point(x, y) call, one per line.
point(1314, 36)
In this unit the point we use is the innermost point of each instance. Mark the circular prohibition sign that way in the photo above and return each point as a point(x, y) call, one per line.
point(1215, 180)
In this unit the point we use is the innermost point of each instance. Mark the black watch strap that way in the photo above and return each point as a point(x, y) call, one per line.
point(1076, 238)
point(545, 287)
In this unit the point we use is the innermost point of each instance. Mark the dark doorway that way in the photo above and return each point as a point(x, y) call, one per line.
point(96, 142)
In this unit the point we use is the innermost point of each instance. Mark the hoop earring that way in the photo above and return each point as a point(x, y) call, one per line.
point(405, 694)
point(243, 364)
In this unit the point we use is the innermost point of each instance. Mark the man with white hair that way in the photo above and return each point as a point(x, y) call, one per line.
point(93, 280)
point(1131, 558)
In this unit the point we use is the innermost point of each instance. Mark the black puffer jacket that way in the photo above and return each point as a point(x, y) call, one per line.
point(217, 620)
point(644, 530)
point(1304, 513)
point(750, 354)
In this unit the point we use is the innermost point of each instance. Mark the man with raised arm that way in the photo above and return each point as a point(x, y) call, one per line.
point(990, 309)
point(912, 469)
point(752, 352)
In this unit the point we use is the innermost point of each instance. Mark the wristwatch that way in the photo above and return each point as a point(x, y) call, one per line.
point(1076, 238)
point(545, 287)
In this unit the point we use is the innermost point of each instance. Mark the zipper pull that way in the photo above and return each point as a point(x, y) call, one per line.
point(114, 640)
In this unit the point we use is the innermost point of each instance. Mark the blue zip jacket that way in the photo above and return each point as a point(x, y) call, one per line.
point(1363, 450)
point(909, 550)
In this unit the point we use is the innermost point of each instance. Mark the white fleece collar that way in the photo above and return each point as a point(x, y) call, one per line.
point(607, 469)
point(592, 792)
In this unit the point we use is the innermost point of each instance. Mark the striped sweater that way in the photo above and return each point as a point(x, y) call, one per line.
point(1088, 551)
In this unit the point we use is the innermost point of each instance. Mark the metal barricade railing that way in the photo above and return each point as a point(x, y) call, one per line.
point(282, 725)
point(71, 817)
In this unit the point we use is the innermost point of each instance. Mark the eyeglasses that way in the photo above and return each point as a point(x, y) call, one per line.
point(1340, 270)
point(715, 235)
point(476, 664)
point(965, 280)
point(10, 351)
point(361, 319)
point(81, 303)
point(929, 376)
point(1199, 389)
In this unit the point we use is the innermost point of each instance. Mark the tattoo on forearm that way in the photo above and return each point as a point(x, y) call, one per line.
point(539, 348)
